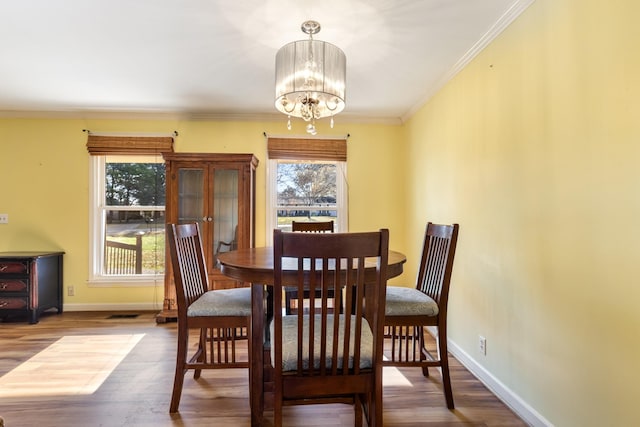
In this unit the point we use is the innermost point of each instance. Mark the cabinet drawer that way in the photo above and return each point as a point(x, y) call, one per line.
point(13, 303)
point(13, 285)
point(13, 267)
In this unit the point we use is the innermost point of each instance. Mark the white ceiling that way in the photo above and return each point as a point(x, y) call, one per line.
point(215, 58)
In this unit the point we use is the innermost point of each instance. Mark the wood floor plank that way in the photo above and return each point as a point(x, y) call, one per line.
point(138, 391)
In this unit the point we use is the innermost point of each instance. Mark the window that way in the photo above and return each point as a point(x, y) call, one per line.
point(306, 182)
point(127, 204)
point(128, 218)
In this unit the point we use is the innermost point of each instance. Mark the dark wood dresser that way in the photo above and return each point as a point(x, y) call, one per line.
point(30, 283)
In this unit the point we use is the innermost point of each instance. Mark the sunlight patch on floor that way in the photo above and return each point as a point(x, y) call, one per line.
point(72, 365)
point(391, 376)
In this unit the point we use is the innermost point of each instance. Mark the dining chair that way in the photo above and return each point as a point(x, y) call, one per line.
point(313, 226)
point(326, 356)
point(222, 317)
point(291, 294)
point(410, 311)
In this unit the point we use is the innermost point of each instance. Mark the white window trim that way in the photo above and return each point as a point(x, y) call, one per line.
point(342, 190)
point(96, 234)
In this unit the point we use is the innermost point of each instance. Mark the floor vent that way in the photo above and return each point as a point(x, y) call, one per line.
point(123, 316)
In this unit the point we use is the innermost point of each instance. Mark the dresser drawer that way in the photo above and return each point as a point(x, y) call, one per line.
point(13, 285)
point(13, 303)
point(13, 267)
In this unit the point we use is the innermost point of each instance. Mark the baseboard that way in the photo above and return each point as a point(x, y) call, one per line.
point(502, 392)
point(143, 306)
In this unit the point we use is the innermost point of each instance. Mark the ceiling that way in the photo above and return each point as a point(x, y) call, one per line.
point(215, 58)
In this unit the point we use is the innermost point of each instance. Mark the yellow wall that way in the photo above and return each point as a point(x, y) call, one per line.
point(44, 171)
point(534, 148)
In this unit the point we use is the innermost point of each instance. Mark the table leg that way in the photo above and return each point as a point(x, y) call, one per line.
point(256, 365)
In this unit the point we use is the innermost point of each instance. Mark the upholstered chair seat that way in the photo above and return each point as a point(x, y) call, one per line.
point(402, 301)
point(222, 302)
point(290, 343)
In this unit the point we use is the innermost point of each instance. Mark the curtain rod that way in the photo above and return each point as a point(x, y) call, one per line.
point(288, 136)
point(90, 132)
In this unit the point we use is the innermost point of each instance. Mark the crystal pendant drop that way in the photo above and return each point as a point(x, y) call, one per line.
point(311, 129)
point(331, 122)
point(289, 123)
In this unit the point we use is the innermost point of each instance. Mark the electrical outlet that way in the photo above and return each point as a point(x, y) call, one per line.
point(482, 345)
point(70, 291)
point(4, 218)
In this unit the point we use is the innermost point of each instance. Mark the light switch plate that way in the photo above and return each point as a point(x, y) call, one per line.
point(4, 218)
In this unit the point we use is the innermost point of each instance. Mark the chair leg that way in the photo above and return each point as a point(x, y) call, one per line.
point(376, 404)
point(357, 409)
point(444, 364)
point(425, 371)
point(181, 358)
point(202, 351)
point(277, 412)
point(419, 334)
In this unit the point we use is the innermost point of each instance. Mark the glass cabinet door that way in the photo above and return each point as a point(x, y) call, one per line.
point(225, 210)
point(191, 206)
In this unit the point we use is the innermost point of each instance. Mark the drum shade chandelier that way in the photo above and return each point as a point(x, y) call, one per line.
point(310, 79)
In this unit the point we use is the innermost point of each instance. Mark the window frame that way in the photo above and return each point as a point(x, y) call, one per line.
point(97, 230)
point(342, 200)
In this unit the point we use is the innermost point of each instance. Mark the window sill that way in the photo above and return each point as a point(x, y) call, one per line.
point(125, 281)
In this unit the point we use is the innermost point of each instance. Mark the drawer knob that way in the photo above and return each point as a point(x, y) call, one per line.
point(4, 304)
point(4, 285)
point(3, 267)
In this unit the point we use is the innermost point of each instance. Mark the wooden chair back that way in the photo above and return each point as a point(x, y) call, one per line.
point(315, 227)
point(309, 347)
point(436, 263)
point(189, 265)
point(293, 302)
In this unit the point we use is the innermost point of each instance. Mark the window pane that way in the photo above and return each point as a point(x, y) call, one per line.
point(307, 191)
point(134, 242)
point(306, 184)
point(134, 184)
point(133, 216)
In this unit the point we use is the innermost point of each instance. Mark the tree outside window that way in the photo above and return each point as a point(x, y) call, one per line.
point(306, 191)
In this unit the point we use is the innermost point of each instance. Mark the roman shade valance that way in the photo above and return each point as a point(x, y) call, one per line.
point(307, 149)
point(126, 145)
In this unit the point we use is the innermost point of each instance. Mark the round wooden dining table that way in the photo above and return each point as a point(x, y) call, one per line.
point(255, 266)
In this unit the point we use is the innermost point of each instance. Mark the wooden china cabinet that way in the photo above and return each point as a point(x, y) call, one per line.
point(218, 192)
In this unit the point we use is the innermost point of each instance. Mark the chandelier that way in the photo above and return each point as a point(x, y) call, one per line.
point(310, 79)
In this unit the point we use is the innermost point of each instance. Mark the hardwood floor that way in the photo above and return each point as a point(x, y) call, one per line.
point(138, 391)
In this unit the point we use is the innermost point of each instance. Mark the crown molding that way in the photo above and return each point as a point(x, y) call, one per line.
point(179, 116)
